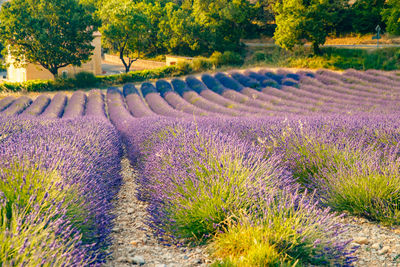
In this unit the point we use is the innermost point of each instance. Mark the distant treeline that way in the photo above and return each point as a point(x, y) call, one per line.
point(193, 27)
point(57, 33)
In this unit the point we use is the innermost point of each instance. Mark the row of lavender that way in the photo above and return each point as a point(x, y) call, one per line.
point(247, 93)
point(59, 106)
point(265, 93)
point(216, 181)
point(57, 179)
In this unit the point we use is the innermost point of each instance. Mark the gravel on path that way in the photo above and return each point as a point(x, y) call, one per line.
point(377, 245)
point(133, 240)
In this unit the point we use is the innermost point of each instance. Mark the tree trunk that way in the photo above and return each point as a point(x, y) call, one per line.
point(54, 71)
point(126, 65)
point(316, 48)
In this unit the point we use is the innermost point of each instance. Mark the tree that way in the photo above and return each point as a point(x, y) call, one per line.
point(51, 33)
point(263, 19)
point(125, 28)
point(391, 15)
point(367, 15)
point(300, 20)
point(180, 32)
point(224, 22)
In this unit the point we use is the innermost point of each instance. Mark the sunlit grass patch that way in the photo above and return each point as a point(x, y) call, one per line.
point(288, 229)
point(40, 218)
point(367, 188)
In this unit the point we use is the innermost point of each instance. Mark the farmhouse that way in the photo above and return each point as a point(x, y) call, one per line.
point(34, 71)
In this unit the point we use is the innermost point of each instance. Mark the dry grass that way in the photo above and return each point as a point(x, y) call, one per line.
point(357, 39)
point(351, 39)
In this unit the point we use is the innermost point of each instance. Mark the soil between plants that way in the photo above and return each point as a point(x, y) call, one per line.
point(134, 242)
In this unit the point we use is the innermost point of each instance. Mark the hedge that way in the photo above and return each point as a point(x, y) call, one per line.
point(88, 80)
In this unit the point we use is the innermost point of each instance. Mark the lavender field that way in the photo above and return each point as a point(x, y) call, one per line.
point(258, 166)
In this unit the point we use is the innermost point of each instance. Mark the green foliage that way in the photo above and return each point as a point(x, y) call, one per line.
point(333, 58)
point(125, 27)
point(87, 80)
point(364, 190)
point(299, 20)
point(262, 20)
point(201, 64)
point(28, 216)
point(188, 28)
point(280, 235)
point(227, 58)
point(84, 80)
point(259, 56)
point(139, 76)
point(367, 15)
point(52, 33)
point(391, 16)
point(223, 22)
point(181, 33)
point(183, 68)
point(201, 205)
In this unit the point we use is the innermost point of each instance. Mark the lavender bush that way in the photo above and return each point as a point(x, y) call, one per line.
point(17, 107)
point(136, 105)
point(37, 107)
point(57, 180)
point(201, 181)
point(56, 107)
point(197, 100)
point(157, 103)
point(5, 102)
point(95, 104)
point(76, 105)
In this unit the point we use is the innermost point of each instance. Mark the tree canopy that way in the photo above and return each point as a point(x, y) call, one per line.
point(125, 28)
point(367, 15)
point(299, 21)
point(391, 15)
point(51, 33)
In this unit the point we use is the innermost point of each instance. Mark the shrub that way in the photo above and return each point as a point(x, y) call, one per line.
point(259, 56)
point(196, 180)
point(216, 59)
point(285, 229)
point(364, 189)
point(204, 184)
point(183, 68)
point(290, 82)
point(85, 79)
point(53, 192)
point(227, 58)
point(33, 217)
point(201, 64)
point(351, 173)
point(271, 83)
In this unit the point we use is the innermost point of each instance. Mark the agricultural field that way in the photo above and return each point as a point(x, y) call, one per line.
point(253, 167)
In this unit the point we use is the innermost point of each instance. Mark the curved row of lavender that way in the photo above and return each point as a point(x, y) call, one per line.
point(236, 94)
point(57, 180)
point(206, 181)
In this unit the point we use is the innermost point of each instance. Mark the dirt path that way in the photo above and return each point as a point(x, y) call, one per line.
point(134, 242)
